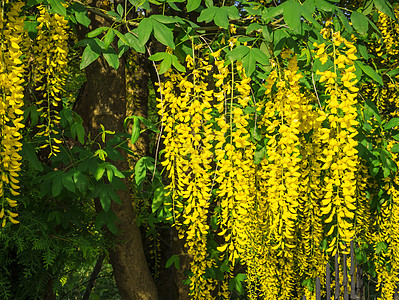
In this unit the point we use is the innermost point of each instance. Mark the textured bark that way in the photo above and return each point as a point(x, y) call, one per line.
point(103, 101)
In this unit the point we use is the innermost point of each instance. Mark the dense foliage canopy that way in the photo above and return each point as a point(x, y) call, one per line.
point(272, 128)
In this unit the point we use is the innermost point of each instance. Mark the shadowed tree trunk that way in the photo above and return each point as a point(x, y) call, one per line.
point(103, 101)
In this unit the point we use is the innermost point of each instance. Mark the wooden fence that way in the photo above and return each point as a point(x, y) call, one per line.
point(356, 282)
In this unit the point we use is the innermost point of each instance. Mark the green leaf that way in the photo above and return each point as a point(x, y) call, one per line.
point(67, 181)
point(324, 5)
point(105, 199)
point(96, 32)
point(119, 10)
point(165, 65)
point(392, 123)
point(174, 259)
point(270, 13)
point(236, 283)
point(259, 155)
point(116, 172)
point(88, 56)
point(122, 37)
point(208, 3)
point(140, 169)
point(253, 27)
point(30, 154)
point(56, 184)
point(112, 193)
point(100, 171)
point(372, 110)
point(395, 148)
point(163, 34)
point(31, 28)
point(360, 22)
point(232, 12)
point(207, 14)
point(193, 5)
point(177, 64)
point(368, 7)
point(382, 6)
point(158, 56)
point(81, 181)
point(80, 14)
point(292, 14)
point(109, 38)
point(344, 20)
point(164, 19)
point(393, 72)
point(260, 56)
point(134, 42)
point(159, 198)
point(362, 50)
point(266, 32)
point(111, 57)
point(57, 7)
point(238, 53)
point(370, 72)
point(144, 30)
point(149, 124)
point(380, 247)
point(221, 18)
point(135, 130)
point(249, 63)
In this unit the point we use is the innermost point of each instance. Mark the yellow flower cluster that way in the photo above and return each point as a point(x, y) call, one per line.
point(234, 156)
point(11, 102)
point(340, 155)
point(386, 57)
point(50, 58)
point(185, 109)
point(387, 233)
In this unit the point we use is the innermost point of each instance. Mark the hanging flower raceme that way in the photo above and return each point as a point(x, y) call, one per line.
point(11, 102)
point(50, 58)
point(188, 157)
point(340, 155)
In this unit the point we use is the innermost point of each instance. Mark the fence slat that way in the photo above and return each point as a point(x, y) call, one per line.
point(352, 272)
point(328, 281)
point(345, 277)
point(318, 289)
point(337, 285)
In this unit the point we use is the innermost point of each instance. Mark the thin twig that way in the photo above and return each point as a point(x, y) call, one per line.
point(162, 103)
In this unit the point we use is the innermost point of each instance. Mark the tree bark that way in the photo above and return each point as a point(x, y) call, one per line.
point(104, 102)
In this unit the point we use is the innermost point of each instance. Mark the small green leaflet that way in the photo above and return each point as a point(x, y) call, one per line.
point(382, 6)
point(140, 169)
point(220, 15)
point(163, 34)
point(369, 71)
point(292, 14)
point(144, 30)
point(238, 53)
point(173, 260)
point(395, 148)
point(96, 32)
point(193, 5)
point(168, 60)
point(360, 22)
point(135, 130)
point(392, 123)
point(80, 14)
point(30, 154)
point(57, 7)
point(111, 57)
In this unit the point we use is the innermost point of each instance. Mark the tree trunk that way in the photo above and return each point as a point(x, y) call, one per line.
point(104, 102)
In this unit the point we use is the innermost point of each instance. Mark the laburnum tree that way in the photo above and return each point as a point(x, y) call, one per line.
point(206, 149)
